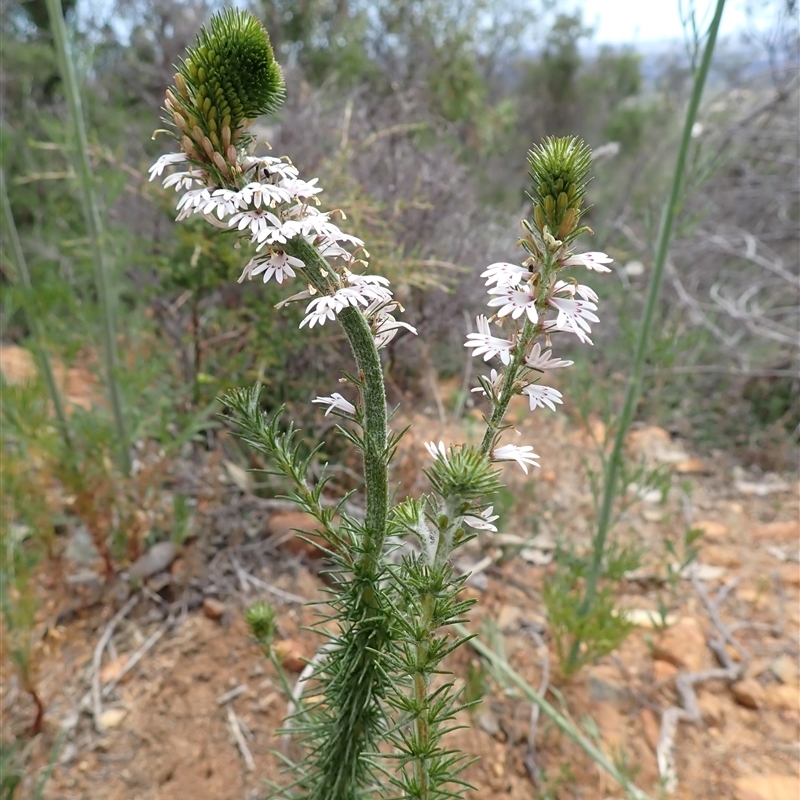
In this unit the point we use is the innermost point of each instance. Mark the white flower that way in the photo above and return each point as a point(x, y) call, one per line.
point(539, 360)
point(297, 188)
point(183, 181)
point(224, 202)
point(593, 260)
point(192, 201)
point(573, 316)
point(437, 451)
point(387, 328)
point(336, 403)
point(277, 264)
point(319, 310)
point(494, 379)
point(541, 396)
point(483, 521)
point(269, 166)
point(254, 194)
point(166, 161)
point(522, 455)
point(571, 288)
point(484, 342)
point(514, 302)
point(264, 226)
point(505, 274)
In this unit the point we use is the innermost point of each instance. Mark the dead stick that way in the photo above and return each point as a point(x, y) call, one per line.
point(97, 703)
point(236, 730)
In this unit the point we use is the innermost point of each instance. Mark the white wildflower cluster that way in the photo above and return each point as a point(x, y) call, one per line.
point(550, 304)
point(273, 207)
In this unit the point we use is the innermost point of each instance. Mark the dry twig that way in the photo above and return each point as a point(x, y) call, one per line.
point(236, 730)
point(97, 702)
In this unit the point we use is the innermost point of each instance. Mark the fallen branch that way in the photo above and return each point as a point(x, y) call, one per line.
point(685, 682)
point(97, 660)
point(233, 724)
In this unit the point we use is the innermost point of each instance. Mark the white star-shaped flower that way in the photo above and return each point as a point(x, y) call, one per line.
point(336, 403)
point(523, 455)
point(574, 316)
point(539, 360)
point(437, 451)
point(166, 161)
point(514, 302)
point(484, 342)
point(594, 261)
point(504, 274)
point(541, 396)
point(495, 379)
point(483, 521)
point(277, 264)
point(319, 310)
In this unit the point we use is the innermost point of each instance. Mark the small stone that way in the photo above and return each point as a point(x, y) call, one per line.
point(650, 727)
point(155, 560)
point(488, 722)
point(112, 717)
point(664, 672)
point(213, 609)
point(683, 645)
point(291, 656)
point(790, 574)
point(612, 726)
point(692, 466)
point(777, 531)
point(721, 556)
point(767, 787)
point(112, 669)
point(295, 532)
point(605, 687)
point(508, 618)
point(645, 618)
point(785, 669)
point(650, 514)
point(784, 697)
point(713, 531)
point(713, 707)
point(749, 693)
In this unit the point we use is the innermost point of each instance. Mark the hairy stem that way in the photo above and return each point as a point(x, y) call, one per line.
point(358, 680)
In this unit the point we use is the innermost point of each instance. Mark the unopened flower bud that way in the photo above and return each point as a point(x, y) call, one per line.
point(219, 163)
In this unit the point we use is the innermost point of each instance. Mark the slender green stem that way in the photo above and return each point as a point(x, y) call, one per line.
point(422, 722)
point(566, 725)
point(34, 323)
point(94, 225)
point(634, 381)
point(495, 422)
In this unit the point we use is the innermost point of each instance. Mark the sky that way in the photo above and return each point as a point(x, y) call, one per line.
point(635, 21)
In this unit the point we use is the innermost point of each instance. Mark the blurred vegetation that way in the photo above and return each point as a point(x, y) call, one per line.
point(416, 117)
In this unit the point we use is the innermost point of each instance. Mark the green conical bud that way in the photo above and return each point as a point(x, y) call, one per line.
point(559, 168)
point(260, 618)
point(230, 74)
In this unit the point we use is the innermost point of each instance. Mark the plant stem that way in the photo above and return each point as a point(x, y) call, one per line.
point(362, 343)
point(566, 725)
point(633, 390)
point(422, 722)
point(94, 225)
point(359, 679)
point(34, 322)
point(495, 422)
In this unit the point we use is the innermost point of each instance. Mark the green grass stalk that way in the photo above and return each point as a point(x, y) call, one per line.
point(633, 390)
point(566, 725)
point(94, 225)
point(34, 323)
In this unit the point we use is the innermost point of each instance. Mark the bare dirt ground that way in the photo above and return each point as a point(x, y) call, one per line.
point(169, 730)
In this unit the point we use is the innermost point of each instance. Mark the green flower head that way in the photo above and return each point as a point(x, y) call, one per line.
point(559, 168)
point(260, 618)
point(227, 79)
